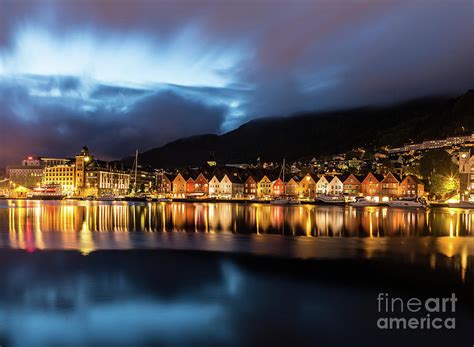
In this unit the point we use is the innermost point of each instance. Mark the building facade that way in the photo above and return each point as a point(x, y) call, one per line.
point(292, 187)
point(411, 187)
point(163, 184)
point(390, 186)
point(250, 187)
point(335, 187)
point(466, 176)
point(62, 176)
point(264, 187)
point(26, 175)
point(371, 186)
point(82, 160)
point(351, 185)
point(214, 186)
point(308, 186)
point(102, 181)
point(179, 186)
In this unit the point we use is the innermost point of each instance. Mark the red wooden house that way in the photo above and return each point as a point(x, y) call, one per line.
point(390, 186)
point(371, 186)
point(278, 188)
point(190, 186)
point(411, 186)
point(201, 185)
point(352, 185)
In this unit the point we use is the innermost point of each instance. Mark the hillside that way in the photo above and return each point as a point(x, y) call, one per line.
point(312, 134)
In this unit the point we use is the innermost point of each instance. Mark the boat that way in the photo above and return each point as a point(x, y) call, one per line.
point(407, 203)
point(330, 200)
point(165, 200)
point(284, 200)
point(279, 201)
point(461, 204)
point(363, 202)
point(106, 198)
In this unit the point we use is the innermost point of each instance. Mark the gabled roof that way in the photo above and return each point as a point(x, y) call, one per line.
point(416, 179)
point(335, 177)
point(294, 178)
point(346, 176)
point(313, 176)
point(200, 174)
point(328, 178)
point(235, 179)
point(376, 176)
point(252, 177)
point(394, 176)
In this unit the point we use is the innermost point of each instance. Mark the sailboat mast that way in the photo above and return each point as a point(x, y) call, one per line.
point(136, 166)
point(284, 185)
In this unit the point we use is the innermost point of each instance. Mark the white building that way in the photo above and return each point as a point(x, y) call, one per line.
point(335, 186)
point(214, 186)
point(466, 176)
point(225, 187)
point(322, 185)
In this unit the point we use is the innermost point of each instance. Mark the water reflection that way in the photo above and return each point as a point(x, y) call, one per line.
point(27, 219)
point(304, 231)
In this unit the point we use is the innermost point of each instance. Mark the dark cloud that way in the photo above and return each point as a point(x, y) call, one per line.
point(285, 57)
point(50, 126)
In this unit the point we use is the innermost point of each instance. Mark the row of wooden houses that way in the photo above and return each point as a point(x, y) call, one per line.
point(261, 185)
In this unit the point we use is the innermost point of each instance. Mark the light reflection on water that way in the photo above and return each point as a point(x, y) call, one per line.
point(304, 231)
point(304, 220)
point(137, 297)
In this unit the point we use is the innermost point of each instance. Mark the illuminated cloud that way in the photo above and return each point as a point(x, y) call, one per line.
point(127, 60)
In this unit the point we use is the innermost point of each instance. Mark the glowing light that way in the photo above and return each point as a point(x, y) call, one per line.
point(131, 60)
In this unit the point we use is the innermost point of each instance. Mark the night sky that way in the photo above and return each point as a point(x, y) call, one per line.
point(120, 75)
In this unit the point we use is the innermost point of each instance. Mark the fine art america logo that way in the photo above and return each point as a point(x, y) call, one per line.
point(414, 313)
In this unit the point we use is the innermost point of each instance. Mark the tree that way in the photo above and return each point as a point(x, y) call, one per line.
point(442, 185)
point(437, 161)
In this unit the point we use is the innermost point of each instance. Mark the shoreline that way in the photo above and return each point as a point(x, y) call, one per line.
point(216, 200)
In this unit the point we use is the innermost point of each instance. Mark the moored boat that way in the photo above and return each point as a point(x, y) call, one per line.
point(461, 204)
point(279, 201)
point(407, 203)
point(165, 200)
point(363, 202)
point(284, 201)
